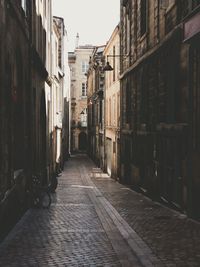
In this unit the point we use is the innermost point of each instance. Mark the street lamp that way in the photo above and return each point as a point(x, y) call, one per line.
point(108, 67)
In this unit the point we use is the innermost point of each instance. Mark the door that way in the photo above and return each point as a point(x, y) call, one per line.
point(82, 141)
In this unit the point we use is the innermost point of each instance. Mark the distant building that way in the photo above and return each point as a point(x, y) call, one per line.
point(79, 63)
point(96, 87)
point(112, 106)
point(59, 95)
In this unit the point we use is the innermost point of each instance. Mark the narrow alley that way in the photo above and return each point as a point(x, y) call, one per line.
point(100, 129)
point(95, 221)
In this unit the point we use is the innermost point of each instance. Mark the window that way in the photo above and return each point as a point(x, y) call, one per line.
point(114, 110)
point(100, 111)
point(45, 8)
point(185, 6)
point(84, 89)
point(56, 48)
point(107, 112)
point(23, 4)
point(128, 103)
point(109, 123)
point(143, 18)
point(85, 67)
point(128, 32)
point(114, 147)
point(124, 2)
point(118, 109)
point(84, 115)
point(114, 63)
point(164, 4)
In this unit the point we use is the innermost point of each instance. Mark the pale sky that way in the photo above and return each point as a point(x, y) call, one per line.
point(94, 20)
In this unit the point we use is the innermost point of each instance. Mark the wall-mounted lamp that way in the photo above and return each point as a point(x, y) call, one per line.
point(108, 67)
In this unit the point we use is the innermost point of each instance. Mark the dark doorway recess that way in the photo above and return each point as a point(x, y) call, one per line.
point(82, 141)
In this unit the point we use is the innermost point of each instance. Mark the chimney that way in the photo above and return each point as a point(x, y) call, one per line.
point(77, 40)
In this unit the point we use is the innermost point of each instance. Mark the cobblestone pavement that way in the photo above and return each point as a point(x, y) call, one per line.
point(75, 231)
point(95, 221)
point(172, 237)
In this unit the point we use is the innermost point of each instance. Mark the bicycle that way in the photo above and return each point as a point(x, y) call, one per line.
point(39, 195)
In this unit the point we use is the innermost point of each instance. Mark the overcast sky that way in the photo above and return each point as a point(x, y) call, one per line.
point(94, 20)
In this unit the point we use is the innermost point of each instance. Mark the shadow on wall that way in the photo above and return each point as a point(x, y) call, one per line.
point(22, 109)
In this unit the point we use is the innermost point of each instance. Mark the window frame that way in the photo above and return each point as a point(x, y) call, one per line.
point(84, 67)
point(83, 89)
point(143, 17)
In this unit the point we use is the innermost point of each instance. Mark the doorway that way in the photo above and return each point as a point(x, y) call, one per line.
point(82, 141)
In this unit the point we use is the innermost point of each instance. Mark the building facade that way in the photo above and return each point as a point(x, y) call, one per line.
point(41, 69)
point(79, 63)
point(112, 106)
point(159, 107)
point(15, 135)
point(191, 39)
point(26, 102)
point(96, 86)
point(60, 96)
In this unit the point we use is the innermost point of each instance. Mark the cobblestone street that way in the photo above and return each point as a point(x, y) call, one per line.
point(95, 221)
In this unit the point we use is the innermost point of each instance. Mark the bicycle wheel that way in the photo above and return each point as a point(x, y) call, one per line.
point(45, 200)
point(36, 202)
point(33, 200)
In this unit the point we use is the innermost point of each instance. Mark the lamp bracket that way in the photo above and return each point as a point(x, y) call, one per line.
point(119, 56)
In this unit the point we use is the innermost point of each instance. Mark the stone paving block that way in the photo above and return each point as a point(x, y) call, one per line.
point(71, 232)
point(68, 234)
point(173, 238)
